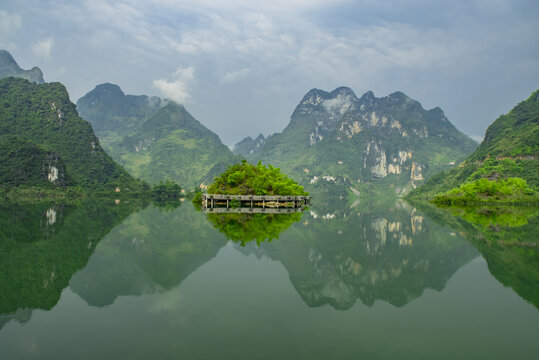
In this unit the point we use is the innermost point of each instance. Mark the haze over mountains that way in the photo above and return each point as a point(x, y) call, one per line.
point(9, 67)
point(154, 139)
point(333, 138)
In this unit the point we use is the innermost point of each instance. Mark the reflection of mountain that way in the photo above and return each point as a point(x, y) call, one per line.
point(152, 250)
point(511, 251)
point(43, 245)
point(390, 254)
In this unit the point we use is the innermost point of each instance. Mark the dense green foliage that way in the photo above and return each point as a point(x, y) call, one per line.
point(9, 67)
point(39, 121)
point(510, 190)
point(154, 139)
point(248, 179)
point(513, 134)
point(26, 163)
point(372, 142)
point(510, 149)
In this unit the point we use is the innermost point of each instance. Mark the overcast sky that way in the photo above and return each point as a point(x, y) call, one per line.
point(241, 66)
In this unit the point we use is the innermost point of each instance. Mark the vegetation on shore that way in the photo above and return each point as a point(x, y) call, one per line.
point(503, 169)
point(483, 191)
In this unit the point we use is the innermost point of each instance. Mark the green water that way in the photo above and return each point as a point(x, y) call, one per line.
point(130, 281)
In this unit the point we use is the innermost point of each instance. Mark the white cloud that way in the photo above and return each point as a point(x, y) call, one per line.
point(477, 138)
point(9, 23)
point(177, 89)
point(233, 76)
point(43, 48)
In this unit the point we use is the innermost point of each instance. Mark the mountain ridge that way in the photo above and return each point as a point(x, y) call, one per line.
point(356, 141)
point(153, 138)
point(42, 121)
point(510, 149)
point(9, 67)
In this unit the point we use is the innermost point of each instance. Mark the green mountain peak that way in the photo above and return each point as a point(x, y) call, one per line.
point(510, 149)
point(154, 139)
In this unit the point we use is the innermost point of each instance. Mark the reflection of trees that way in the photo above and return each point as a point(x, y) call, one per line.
point(507, 239)
point(150, 251)
point(244, 228)
point(43, 245)
point(390, 253)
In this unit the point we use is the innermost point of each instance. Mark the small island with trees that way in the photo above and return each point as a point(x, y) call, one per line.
point(253, 186)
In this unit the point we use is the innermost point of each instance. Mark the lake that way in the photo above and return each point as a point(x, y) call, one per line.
point(117, 280)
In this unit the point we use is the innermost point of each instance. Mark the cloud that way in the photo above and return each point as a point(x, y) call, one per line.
point(9, 23)
point(43, 48)
point(177, 89)
point(233, 76)
point(477, 138)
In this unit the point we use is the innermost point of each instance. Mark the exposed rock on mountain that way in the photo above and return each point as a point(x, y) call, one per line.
point(390, 141)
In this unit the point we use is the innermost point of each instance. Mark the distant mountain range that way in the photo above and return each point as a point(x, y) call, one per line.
point(510, 149)
point(154, 139)
point(366, 142)
point(9, 67)
point(248, 146)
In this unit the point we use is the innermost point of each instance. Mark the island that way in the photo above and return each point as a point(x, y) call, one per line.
point(257, 187)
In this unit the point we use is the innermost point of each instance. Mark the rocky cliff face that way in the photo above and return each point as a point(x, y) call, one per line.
point(9, 67)
point(389, 140)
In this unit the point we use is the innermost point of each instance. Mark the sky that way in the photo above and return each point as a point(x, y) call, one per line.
point(240, 67)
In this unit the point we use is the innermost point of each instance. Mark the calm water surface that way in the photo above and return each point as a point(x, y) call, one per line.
point(125, 281)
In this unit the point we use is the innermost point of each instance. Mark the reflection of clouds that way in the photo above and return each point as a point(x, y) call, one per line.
point(170, 301)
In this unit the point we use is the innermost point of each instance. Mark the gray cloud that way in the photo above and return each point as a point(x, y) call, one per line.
point(43, 48)
point(255, 60)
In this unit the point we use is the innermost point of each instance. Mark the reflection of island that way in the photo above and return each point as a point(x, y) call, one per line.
point(43, 245)
point(507, 239)
point(389, 253)
point(245, 227)
point(151, 251)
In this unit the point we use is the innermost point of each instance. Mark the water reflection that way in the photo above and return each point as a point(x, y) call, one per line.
point(336, 256)
point(43, 245)
point(505, 236)
point(151, 251)
point(246, 227)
